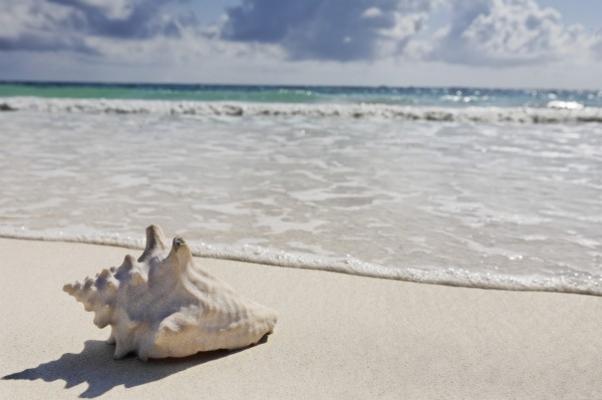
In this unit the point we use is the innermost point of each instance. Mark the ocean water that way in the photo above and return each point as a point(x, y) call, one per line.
point(472, 187)
point(412, 96)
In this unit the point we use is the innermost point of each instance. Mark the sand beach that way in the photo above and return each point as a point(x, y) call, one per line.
point(338, 336)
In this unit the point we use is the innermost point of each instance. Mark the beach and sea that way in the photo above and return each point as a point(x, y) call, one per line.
point(404, 235)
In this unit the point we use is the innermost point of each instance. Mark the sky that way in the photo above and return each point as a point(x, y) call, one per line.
point(485, 43)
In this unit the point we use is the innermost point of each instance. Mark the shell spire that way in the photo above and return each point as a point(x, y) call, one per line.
point(155, 242)
point(163, 305)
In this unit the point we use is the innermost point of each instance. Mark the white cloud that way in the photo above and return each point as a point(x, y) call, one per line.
point(508, 32)
point(51, 25)
point(372, 12)
point(37, 26)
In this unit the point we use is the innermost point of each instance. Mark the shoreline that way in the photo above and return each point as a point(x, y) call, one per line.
point(338, 335)
point(453, 277)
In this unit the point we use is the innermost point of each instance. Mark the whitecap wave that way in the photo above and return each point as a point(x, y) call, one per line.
point(556, 112)
point(565, 105)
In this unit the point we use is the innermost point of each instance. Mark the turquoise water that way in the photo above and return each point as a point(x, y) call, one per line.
point(418, 96)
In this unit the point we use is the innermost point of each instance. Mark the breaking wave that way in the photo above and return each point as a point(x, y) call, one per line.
point(555, 112)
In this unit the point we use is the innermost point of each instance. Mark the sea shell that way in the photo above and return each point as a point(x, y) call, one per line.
point(163, 305)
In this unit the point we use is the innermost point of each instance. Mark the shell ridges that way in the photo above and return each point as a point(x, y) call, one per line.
point(163, 305)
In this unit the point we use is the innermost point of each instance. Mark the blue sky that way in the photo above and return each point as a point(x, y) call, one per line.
point(493, 43)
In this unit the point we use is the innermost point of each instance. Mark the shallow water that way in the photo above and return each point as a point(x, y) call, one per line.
point(474, 203)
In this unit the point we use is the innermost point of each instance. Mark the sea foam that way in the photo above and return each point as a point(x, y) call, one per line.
point(450, 276)
point(556, 111)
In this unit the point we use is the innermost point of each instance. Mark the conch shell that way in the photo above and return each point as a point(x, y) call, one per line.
point(162, 305)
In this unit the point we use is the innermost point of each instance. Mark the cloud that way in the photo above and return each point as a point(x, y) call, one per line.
point(121, 18)
point(597, 44)
point(152, 33)
point(597, 48)
point(31, 26)
point(340, 30)
point(506, 33)
point(50, 25)
point(33, 42)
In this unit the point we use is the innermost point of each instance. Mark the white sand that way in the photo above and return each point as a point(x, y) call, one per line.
point(338, 336)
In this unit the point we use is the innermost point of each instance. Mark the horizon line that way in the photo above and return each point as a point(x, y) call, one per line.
point(278, 85)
